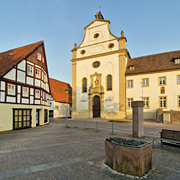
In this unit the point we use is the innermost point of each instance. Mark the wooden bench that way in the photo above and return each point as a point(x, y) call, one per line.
point(167, 136)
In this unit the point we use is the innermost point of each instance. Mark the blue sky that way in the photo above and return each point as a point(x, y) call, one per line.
point(151, 26)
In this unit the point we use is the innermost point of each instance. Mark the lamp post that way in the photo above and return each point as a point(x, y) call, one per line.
point(67, 91)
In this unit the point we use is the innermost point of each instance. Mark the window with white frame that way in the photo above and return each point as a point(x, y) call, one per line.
point(129, 102)
point(146, 102)
point(39, 56)
point(178, 79)
point(25, 92)
point(130, 83)
point(109, 83)
point(162, 80)
point(37, 94)
point(37, 74)
point(84, 85)
point(30, 70)
point(42, 75)
point(145, 82)
point(131, 67)
point(11, 89)
point(177, 61)
point(178, 101)
point(162, 101)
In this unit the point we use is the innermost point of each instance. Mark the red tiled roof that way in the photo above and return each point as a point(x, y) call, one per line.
point(58, 91)
point(153, 63)
point(9, 59)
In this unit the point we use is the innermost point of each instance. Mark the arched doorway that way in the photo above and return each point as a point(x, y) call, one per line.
point(96, 107)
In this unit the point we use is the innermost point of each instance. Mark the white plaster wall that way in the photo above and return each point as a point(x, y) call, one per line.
point(30, 63)
point(109, 65)
point(37, 82)
point(18, 98)
point(30, 80)
point(32, 91)
point(51, 103)
point(37, 101)
point(2, 85)
point(38, 66)
point(97, 27)
point(97, 48)
point(172, 90)
point(25, 100)
point(31, 100)
point(11, 75)
point(22, 65)
point(62, 111)
point(10, 99)
point(21, 76)
point(47, 87)
point(19, 89)
point(2, 96)
point(93, 46)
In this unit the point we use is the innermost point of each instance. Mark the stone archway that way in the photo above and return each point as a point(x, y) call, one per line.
point(96, 107)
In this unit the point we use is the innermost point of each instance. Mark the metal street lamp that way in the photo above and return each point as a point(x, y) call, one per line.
point(67, 91)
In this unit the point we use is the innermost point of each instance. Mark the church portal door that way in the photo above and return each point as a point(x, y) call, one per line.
point(96, 107)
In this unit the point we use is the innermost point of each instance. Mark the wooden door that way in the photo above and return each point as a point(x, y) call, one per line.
point(37, 117)
point(21, 118)
point(96, 107)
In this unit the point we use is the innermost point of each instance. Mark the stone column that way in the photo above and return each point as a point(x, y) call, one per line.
point(138, 122)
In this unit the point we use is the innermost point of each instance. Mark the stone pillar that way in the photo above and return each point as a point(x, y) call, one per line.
point(138, 122)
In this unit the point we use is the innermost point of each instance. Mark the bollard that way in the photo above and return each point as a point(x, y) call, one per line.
point(84, 124)
point(112, 127)
point(66, 122)
point(97, 126)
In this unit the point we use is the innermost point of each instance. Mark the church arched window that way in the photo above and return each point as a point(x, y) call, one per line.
point(84, 85)
point(109, 83)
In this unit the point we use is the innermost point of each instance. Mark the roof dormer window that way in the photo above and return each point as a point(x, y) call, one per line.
point(177, 61)
point(131, 67)
point(10, 53)
point(39, 56)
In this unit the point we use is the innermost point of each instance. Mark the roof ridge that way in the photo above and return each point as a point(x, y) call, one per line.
point(60, 81)
point(155, 54)
point(38, 42)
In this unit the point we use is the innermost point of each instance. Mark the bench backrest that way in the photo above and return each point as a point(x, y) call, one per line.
point(170, 134)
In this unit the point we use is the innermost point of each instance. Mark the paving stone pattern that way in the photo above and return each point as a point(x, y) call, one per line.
point(57, 152)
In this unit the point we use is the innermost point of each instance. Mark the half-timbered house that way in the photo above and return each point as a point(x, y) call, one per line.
point(24, 87)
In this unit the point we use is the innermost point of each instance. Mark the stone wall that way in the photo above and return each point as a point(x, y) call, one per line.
point(174, 116)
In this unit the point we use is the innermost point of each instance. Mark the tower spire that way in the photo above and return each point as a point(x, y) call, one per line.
point(99, 7)
point(99, 14)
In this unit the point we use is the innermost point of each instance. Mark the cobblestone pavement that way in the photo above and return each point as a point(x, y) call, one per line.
point(68, 153)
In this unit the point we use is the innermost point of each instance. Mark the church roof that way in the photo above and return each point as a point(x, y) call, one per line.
point(10, 58)
point(153, 63)
point(58, 91)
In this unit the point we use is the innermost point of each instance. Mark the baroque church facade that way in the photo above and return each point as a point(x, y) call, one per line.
point(105, 79)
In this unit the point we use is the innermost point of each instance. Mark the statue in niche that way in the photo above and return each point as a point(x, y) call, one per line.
point(96, 82)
